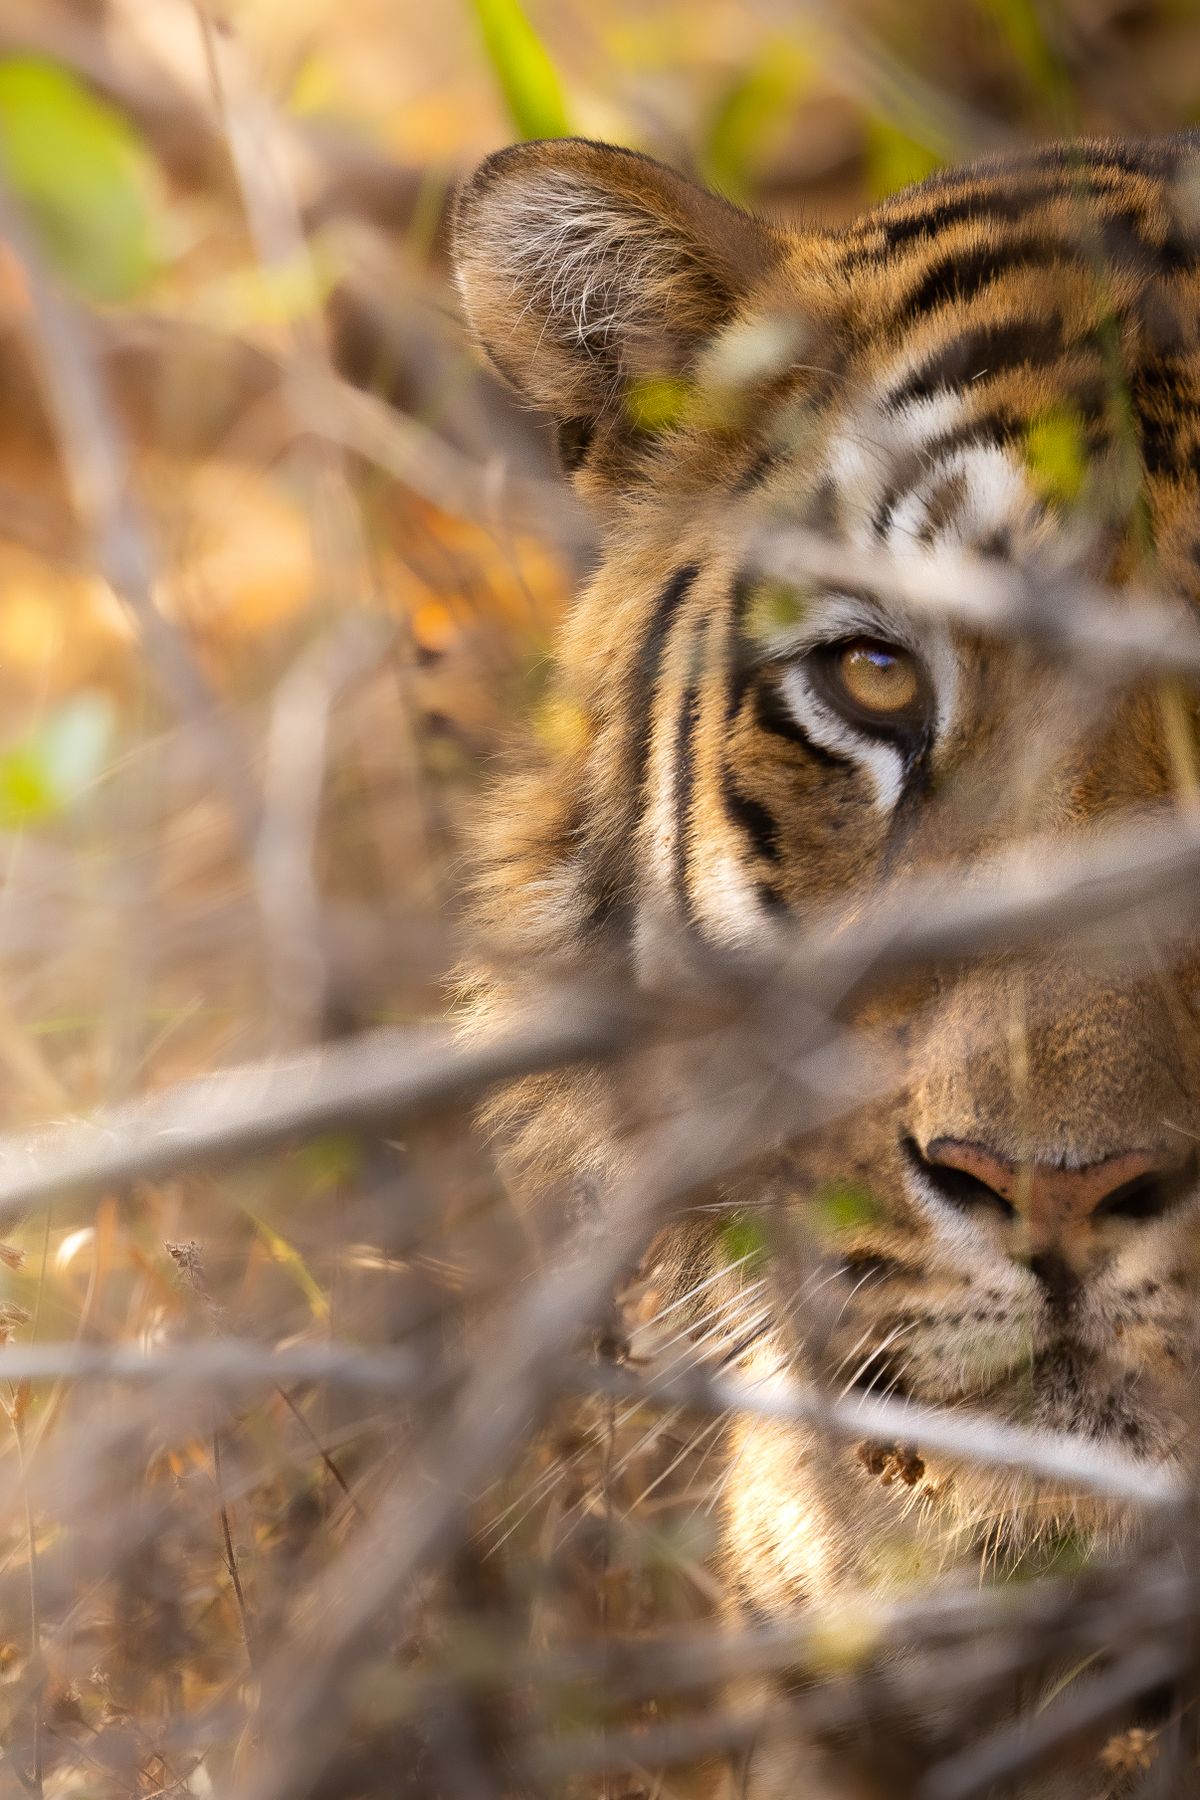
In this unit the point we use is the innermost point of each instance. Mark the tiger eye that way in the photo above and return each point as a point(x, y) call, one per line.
point(879, 678)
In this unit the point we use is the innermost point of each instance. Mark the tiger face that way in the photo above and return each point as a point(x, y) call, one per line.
point(817, 459)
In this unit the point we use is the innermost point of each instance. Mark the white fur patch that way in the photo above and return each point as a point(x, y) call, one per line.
point(881, 763)
point(878, 440)
point(871, 445)
point(725, 899)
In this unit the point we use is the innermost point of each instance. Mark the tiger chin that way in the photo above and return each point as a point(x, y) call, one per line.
point(997, 370)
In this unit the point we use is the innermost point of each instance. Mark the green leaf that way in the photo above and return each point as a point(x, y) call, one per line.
point(84, 176)
point(895, 160)
point(285, 1253)
point(844, 1206)
point(743, 1243)
point(523, 68)
point(656, 402)
point(774, 609)
point(750, 113)
point(844, 1636)
point(25, 798)
point(1023, 31)
point(331, 1161)
point(47, 772)
point(1056, 454)
point(562, 726)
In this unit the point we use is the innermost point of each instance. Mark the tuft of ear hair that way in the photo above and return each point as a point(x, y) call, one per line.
point(586, 270)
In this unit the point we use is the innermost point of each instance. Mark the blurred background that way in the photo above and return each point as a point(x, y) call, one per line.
point(280, 568)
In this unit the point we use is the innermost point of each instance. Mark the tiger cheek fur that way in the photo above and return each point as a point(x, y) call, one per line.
point(1003, 364)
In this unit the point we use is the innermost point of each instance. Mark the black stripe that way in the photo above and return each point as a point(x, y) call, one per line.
point(1089, 395)
point(753, 819)
point(1164, 408)
point(769, 897)
point(684, 764)
point(1145, 156)
point(1159, 441)
point(960, 275)
point(742, 662)
point(772, 714)
point(1123, 242)
point(1002, 203)
point(983, 350)
point(649, 665)
point(1075, 171)
point(915, 782)
point(1116, 239)
point(1167, 446)
point(763, 465)
point(573, 439)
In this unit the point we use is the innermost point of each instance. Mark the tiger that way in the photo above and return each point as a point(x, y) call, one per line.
point(990, 377)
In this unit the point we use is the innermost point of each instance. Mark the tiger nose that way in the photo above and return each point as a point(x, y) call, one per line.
point(1058, 1205)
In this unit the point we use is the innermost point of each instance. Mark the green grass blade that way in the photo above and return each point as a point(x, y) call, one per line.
point(523, 68)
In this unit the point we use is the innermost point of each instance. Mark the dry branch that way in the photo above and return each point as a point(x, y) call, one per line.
point(372, 1082)
point(255, 1107)
point(1121, 634)
point(342, 172)
point(221, 1365)
point(1061, 1457)
point(1034, 891)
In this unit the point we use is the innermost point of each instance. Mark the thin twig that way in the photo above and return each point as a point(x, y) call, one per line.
point(38, 1691)
point(284, 859)
point(231, 1561)
point(327, 1461)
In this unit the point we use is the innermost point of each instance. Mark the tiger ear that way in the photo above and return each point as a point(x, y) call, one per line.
point(587, 271)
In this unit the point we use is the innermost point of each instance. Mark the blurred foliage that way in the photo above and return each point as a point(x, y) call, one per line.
point(846, 1207)
point(894, 159)
point(1056, 455)
point(84, 175)
point(57, 763)
point(1024, 29)
point(744, 1243)
point(752, 114)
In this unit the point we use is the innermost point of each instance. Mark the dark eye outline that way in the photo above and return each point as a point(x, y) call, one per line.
point(906, 726)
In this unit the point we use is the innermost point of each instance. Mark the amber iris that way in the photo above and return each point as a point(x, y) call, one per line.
point(880, 680)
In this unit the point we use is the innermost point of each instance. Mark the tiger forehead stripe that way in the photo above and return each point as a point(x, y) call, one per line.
point(1092, 176)
point(969, 354)
point(962, 272)
point(1086, 267)
point(998, 294)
